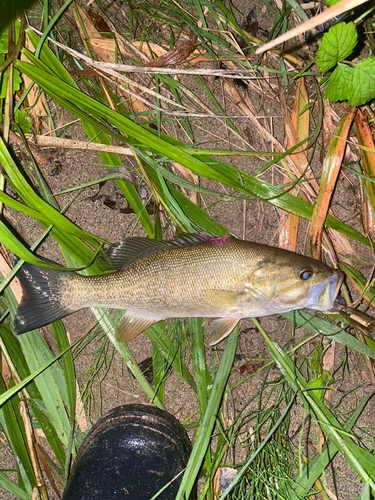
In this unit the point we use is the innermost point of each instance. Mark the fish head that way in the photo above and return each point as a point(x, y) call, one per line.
point(291, 281)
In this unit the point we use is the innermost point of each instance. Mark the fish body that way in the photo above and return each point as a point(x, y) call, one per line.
point(191, 276)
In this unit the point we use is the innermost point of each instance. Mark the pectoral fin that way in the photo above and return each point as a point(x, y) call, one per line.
point(131, 325)
point(221, 328)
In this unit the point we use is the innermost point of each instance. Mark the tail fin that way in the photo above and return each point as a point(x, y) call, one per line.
point(41, 298)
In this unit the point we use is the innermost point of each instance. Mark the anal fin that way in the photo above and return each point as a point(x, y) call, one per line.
point(132, 325)
point(221, 328)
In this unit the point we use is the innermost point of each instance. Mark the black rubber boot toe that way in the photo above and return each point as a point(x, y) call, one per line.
point(130, 453)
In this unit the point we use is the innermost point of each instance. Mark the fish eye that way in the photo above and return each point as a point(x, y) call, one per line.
point(305, 274)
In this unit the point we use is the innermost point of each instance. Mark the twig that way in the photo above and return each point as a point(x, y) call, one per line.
point(321, 18)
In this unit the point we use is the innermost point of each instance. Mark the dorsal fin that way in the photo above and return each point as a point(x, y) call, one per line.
point(128, 250)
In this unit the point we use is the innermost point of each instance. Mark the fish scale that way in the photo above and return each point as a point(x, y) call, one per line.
point(191, 276)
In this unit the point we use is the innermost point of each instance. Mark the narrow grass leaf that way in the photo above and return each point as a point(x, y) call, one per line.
point(158, 338)
point(108, 325)
point(13, 489)
point(259, 449)
point(302, 483)
point(361, 460)
point(213, 169)
point(359, 283)
point(330, 330)
point(33, 200)
point(13, 428)
point(208, 422)
point(51, 383)
point(51, 63)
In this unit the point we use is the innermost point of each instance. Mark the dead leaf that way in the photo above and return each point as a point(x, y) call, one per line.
point(223, 478)
point(321, 18)
point(191, 177)
point(329, 363)
point(331, 170)
point(251, 366)
point(365, 139)
point(106, 51)
point(35, 100)
point(176, 55)
point(297, 129)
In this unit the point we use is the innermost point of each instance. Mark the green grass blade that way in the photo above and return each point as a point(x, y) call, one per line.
point(202, 375)
point(158, 338)
point(361, 460)
point(303, 482)
point(13, 428)
point(208, 422)
point(51, 383)
point(15, 490)
point(63, 344)
point(108, 326)
point(18, 387)
point(332, 331)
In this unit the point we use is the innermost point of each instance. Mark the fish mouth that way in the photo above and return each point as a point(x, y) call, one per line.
point(329, 292)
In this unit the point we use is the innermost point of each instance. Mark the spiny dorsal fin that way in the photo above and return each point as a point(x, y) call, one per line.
point(128, 250)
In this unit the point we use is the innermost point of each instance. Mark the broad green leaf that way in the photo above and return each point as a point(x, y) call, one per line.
point(202, 375)
point(38, 409)
point(366, 493)
point(17, 80)
point(336, 45)
point(62, 341)
point(317, 359)
point(339, 86)
point(23, 120)
point(41, 415)
point(363, 82)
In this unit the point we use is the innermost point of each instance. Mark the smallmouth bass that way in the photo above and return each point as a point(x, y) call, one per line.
point(190, 276)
